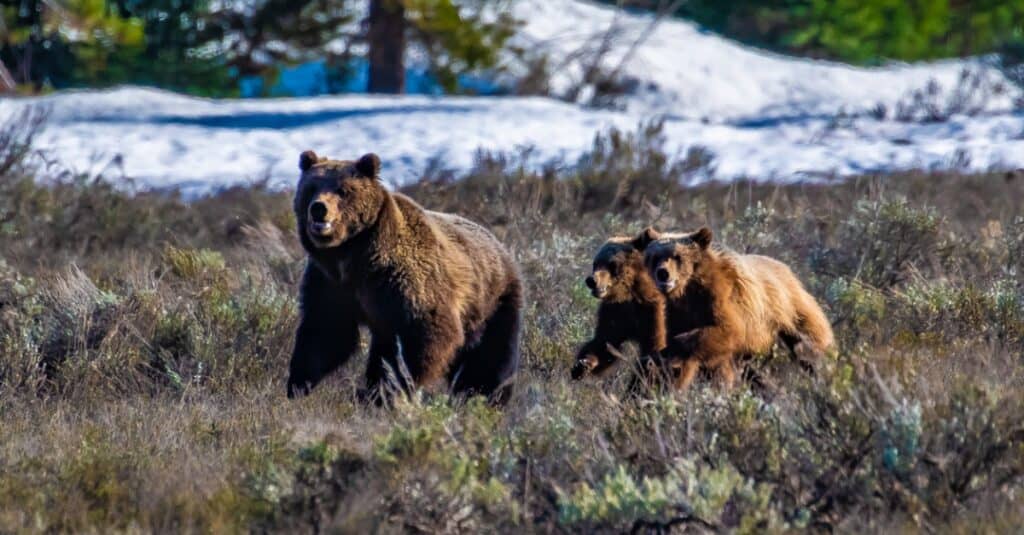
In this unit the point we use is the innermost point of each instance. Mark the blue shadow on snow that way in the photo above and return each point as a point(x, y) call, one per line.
point(284, 120)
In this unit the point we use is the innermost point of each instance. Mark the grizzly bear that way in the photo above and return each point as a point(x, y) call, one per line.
point(722, 305)
point(631, 310)
point(439, 294)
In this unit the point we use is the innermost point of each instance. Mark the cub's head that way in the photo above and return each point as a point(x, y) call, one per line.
point(672, 258)
point(336, 199)
point(616, 265)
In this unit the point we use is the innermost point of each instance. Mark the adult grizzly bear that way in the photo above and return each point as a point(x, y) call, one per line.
point(631, 309)
point(722, 305)
point(439, 286)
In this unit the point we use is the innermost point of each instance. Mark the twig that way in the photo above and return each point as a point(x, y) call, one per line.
point(7, 84)
point(645, 35)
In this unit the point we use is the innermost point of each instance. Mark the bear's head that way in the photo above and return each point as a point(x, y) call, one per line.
point(671, 259)
point(616, 265)
point(337, 199)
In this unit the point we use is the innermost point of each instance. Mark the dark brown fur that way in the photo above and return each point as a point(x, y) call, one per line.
point(437, 284)
point(722, 305)
point(631, 310)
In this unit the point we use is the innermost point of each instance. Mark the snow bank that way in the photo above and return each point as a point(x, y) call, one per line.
point(686, 72)
point(165, 139)
point(763, 116)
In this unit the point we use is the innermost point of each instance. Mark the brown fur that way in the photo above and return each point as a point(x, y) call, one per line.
point(631, 309)
point(722, 305)
point(440, 285)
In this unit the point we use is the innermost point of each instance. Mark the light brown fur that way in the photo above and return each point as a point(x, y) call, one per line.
point(722, 305)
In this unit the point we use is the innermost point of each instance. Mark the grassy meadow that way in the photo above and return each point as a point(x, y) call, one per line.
point(144, 343)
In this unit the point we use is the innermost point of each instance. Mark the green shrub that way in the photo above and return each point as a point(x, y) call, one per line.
point(862, 32)
point(884, 240)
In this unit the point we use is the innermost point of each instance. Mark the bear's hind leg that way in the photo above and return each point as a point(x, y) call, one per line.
point(488, 367)
point(797, 344)
point(383, 355)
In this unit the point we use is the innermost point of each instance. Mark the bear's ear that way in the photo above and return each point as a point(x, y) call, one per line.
point(702, 237)
point(368, 165)
point(307, 159)
point(645, 238)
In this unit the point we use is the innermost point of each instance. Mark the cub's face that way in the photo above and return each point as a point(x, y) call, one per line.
point(671, 260)
point(336, 199)
point(613, 270)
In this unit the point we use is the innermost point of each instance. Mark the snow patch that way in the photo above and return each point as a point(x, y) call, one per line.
point(685, 71)
point(761, 115)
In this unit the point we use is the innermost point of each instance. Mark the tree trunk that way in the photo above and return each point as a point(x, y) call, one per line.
point(386, 36)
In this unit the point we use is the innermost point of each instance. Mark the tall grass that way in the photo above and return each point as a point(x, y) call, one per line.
point(144, 344)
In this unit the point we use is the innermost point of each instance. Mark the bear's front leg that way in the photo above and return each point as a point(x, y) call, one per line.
point(596, 357)
point(725, 373)
point(601, 353)
point(676, 364)
point(651, 329)
point(429, 346)
point(328, 332)
point(685, 373)
point(707, 347)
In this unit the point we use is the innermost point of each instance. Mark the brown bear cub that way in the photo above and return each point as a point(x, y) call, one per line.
point(631, 310)
point(722, 305)
point(440, 295)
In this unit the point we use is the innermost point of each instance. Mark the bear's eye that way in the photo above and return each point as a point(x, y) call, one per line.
point(613, 269)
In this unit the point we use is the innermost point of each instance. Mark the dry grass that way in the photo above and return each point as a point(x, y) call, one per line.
point(144, 343)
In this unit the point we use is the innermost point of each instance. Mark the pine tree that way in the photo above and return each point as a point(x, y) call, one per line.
point(172, 55)
point(61, 43)
point(386, 36)
point(254, 38)
point(458, 37)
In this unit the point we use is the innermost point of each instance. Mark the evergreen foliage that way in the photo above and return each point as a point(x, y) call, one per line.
point(861, 31)
point(204, 47)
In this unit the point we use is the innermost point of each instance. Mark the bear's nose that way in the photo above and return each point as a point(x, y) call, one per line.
point(662, 275)
point(591, 283)
point(318, 211)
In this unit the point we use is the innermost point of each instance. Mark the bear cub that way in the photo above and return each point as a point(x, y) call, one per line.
point(722, 305)
point(631, 310)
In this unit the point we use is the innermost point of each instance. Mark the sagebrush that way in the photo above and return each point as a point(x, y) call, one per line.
point(144, 343)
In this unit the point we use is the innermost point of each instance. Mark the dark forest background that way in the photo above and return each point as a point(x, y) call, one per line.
point(227, 48)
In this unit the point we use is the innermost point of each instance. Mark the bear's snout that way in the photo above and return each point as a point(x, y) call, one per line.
point(322, 224)
point(664, 278)
point(318, 211)
point(598, 285)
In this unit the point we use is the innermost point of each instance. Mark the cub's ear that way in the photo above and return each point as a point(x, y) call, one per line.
point(645, 238)
point(702, 237)
point(368, 165)
point(307, 159)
